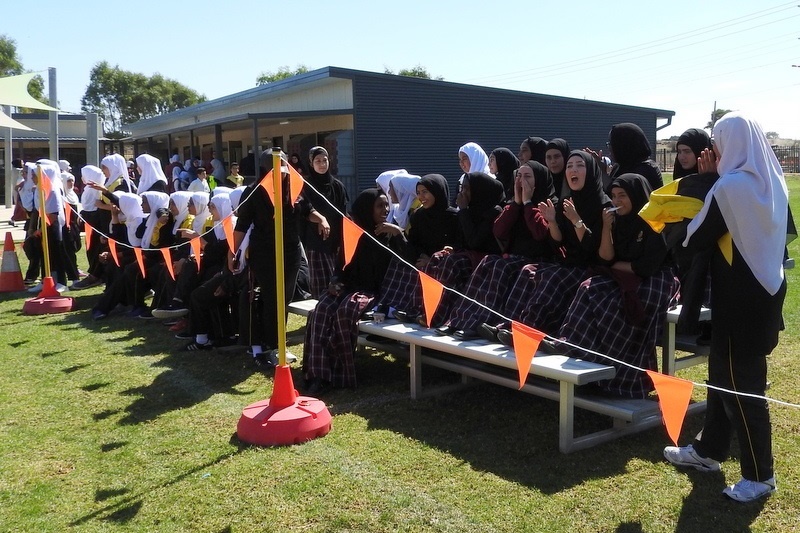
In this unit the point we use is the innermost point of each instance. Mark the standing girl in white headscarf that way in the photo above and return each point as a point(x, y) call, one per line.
point(152, 176)
point(743, 222)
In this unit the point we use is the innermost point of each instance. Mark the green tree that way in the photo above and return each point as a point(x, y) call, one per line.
point(773, 135)
point(281, 74)
point(121, 97)
point(10, 65)
point(414, 72)
point(715, 116)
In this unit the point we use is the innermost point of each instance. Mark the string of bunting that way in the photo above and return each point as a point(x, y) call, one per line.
point(674, 393)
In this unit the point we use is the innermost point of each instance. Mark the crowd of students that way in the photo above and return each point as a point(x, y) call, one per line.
point(551, 237)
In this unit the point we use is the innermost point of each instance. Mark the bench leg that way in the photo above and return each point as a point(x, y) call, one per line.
point(415, 354)
point(566, 417)
point(668, 350)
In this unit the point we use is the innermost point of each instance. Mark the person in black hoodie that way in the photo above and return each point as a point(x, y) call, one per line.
point(621, 309)
point(521, 232)
point(556, 161)
point(532, 149)
point(332, 327)
point(504, 164)
point(433, 226)
point(542, 292)
point(689, 146)
point(631, 153)
point(322, 241)
point(479, 205)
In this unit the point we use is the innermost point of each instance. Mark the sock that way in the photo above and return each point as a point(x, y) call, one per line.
point(256, 349)
point(201, 338)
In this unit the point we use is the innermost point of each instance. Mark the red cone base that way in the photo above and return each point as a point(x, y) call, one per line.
point(48, 302)
point(286, 418)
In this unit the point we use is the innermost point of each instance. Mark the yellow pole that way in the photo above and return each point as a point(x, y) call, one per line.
point(277, 180)
point(43, 220)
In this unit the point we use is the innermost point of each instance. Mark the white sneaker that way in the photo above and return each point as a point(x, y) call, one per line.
point(686, 456)
point(290, 358)
point(60, 287)
point(748, 491)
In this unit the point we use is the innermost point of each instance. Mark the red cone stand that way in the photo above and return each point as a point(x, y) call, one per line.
point(48, 302)
point(286, 418)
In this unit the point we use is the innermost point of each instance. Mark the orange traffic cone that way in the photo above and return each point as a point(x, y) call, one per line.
point(10, 273)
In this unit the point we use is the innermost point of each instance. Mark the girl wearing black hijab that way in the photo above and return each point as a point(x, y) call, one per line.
point(631, 153)
point(621, 309)
point(479, 205)
point(690, 145)
point(504, 164)
point(332, 329)
point(532, 149)
point(521, 232)
point(542, 292)
point(433, 226)
point(322, 245)
point(556, 161)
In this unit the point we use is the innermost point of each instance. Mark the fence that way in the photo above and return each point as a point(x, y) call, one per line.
point(788, 156)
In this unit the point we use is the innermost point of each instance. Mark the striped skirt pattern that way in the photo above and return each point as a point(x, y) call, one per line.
point(321, 266)
point(400, 288)
point(489, 285)
point(542, 293)
point(331, 336)
point(596, 320)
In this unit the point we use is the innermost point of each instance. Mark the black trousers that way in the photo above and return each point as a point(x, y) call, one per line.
point(727, 414)
point(258, 322)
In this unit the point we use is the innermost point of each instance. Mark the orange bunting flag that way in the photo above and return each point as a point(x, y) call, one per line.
point(88, 229)
point(431, 295)
point(526, 342)
point(68, 213)
point(673, 398)
point(168, 261)
point(295, 183)
point(139, 259)
point(44, 182)
point(196, 248)
point(266, 183)
point(112, 246)
point(227, 225)
point(351, 233)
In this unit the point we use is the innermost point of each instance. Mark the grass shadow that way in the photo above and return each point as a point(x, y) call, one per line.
point(111, 446)
point(493, 428)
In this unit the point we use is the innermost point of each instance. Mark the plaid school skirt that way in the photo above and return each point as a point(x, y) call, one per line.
point(489, 284)
point(400, 287)
point(596, 320)
point(321, 266)
point(541, 294)
point(331, 337)
point(453, 271)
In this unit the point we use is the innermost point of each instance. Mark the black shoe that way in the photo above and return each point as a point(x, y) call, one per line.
point(488, 332)
point(505, 337)
point(316, 386)
point(409, 317)
point(551, 347)
point(265, 360)
point(444, 331)
point(466, 334)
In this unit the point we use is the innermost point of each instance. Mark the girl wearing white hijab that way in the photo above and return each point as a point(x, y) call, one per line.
point(403, 192)
point(115, 168)
point(472, 158)
point(98, 220)
point(383, 181)
point(54, 211)
point(130, 204)
point(744, 222)
point(202, 217)
point(152, 176)
point(180, 201)
point(155, 201)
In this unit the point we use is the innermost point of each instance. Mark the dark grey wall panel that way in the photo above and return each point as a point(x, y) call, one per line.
point(420, 124)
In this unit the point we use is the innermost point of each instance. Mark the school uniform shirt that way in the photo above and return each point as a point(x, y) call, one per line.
point(435, 227)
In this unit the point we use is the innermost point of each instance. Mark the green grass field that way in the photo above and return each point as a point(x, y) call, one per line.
point(108, 426)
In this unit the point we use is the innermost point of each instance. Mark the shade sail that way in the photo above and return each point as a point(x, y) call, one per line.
point(8, 122)
point(14, 91)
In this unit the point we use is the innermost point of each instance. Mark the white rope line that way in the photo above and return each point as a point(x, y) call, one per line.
point(397, 256)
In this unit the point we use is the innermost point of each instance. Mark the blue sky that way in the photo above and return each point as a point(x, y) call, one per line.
point(681, 55)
